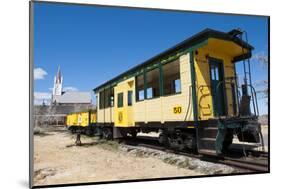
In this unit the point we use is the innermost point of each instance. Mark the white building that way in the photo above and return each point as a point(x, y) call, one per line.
point(60, 97)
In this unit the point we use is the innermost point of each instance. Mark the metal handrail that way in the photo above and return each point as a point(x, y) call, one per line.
point(254, 99)
point(253, 95)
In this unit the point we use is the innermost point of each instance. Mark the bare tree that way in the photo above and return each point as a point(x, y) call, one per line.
point(262, 85)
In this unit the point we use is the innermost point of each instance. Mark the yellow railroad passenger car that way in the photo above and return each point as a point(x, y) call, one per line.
point(83, 121)
point(189, 93)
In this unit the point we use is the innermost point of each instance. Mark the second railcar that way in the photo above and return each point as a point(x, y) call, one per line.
point(82, 121)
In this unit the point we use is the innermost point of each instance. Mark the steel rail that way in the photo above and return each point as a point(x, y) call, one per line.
point(257, 164)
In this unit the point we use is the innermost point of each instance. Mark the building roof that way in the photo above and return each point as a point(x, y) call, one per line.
point(188, 43)
point(73, 97)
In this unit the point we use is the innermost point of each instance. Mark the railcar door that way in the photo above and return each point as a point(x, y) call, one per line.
point(217, 86)
point(123, 116)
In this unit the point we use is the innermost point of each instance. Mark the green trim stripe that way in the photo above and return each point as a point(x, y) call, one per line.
point(193, 80)
point(161, 79)
point(145, 83)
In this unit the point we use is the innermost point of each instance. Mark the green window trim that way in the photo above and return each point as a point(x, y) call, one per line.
point(145, 83)
point(130, 98)
point(161, 84)
point(120, 100)
point(193, 80)
point(137, 94)
point(101, 99)
point(169, 85)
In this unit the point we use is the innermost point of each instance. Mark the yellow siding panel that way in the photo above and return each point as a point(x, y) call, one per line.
point(183, 100)
point(153, 110)
point(100, 112)
point(93, 117)
point(139, 111)
point(83, 119)
point(109, 115)
point(172, 102)
point(78, 119)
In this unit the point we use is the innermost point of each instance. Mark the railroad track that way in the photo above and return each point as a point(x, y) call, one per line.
point(254, 161)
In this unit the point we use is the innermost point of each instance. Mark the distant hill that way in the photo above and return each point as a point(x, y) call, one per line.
point(263, 119)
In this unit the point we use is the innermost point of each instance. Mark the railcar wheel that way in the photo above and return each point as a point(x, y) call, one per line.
point(133, 134)
point(89, 132)
point(124, 133)
point(190, 142)
point(163, 139)
point(180, 143)
point(176, 142)
point(107, 133)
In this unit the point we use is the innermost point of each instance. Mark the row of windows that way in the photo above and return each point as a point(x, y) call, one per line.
point(120, 99)
point(148, 85)
point(170, 77)
point(106, 98)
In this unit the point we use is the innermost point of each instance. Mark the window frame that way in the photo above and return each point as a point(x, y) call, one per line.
point(136, 87)
point(163, 81)
point(111, 97)
point(107, 98)
point(101, 100)
point(159, 67)
point(159, 83)
point(120, 103)
point(130, 102)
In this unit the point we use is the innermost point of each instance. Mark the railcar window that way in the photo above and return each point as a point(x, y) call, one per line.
point(120, 100)
point(111, 101)
point(149, 93)
point(112, 97)
point(153, 80)
point(215, 73)
point(177, 84)
point(101, 99)
point(171, 78)
point(107, 97)
point(130, 100)
point(140, 87)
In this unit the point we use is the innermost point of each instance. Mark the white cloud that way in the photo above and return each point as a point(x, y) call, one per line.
point(39, 73)
point(40, 97)
point(69, 89)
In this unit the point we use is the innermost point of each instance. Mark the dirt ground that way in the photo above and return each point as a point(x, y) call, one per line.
point(58, 161)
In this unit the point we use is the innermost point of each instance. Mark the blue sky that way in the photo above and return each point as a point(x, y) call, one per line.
point(93, 44)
